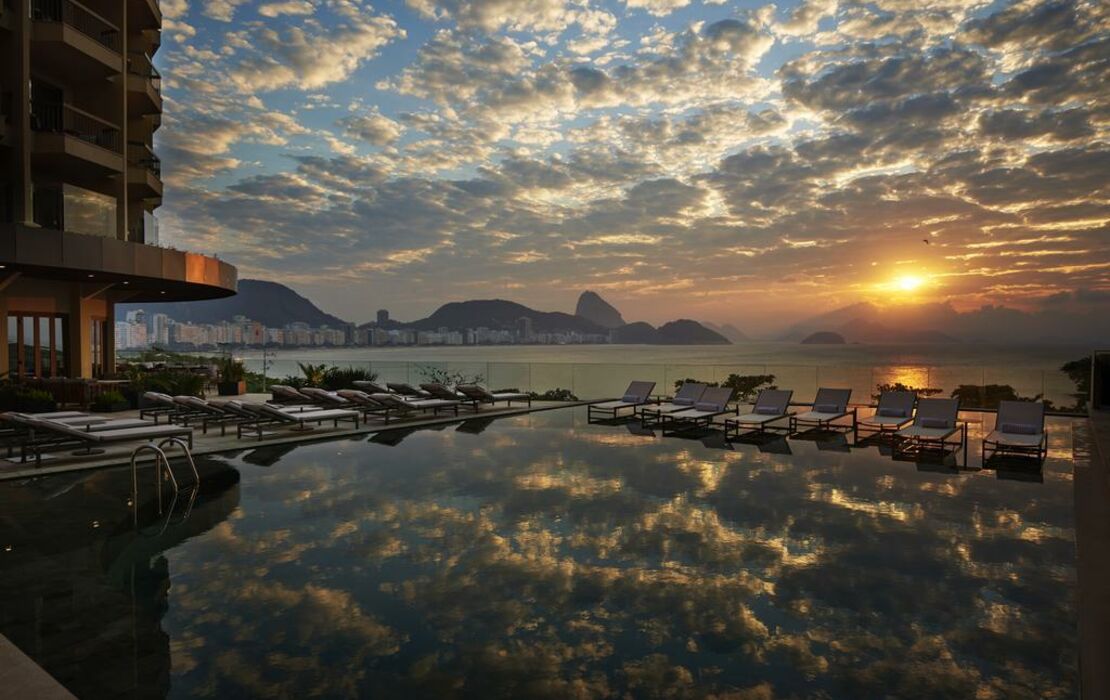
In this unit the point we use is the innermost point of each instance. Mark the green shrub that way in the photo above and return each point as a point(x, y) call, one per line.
point(293, 381)
point(1079, 371)
point(744, 386)
point(108, 400)
point(988, 396)
point(230, 370)
point(899, 386)
point(14, 397)
point(345, 377)
point(446, 377)
point(172, 383)
point(556, 394)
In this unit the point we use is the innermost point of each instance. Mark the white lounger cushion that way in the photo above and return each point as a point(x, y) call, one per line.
point(618, 404)
point(757, 418)
point(885, 420)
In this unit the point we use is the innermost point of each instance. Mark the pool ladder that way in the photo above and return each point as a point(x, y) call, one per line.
point(161, 464)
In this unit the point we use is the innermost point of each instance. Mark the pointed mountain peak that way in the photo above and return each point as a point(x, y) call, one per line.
point(593, 308)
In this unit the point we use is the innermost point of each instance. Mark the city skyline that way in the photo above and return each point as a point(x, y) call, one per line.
point(671, 154)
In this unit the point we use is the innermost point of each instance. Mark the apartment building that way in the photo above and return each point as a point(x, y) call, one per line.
point(80, 104)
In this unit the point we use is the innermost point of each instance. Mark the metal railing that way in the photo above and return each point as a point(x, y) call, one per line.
point(81, 18)
point(60, 117)
point(140, 64)
point(139, 154)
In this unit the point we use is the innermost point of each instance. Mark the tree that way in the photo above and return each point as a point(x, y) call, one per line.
point(899, 386)
point(1079, 371)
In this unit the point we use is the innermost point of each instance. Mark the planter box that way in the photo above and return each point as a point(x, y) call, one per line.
point(232, 388)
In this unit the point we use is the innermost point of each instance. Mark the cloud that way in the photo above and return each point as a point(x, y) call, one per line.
point(373, 127)
point(311, 57)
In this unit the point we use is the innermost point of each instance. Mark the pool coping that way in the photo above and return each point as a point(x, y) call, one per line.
point(214, 444)
point(21, 677)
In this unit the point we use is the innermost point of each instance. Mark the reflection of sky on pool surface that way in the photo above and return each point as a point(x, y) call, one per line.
point(545, 557)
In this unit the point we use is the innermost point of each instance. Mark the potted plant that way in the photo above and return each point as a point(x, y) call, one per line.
point(232, 377)
point(110, 402)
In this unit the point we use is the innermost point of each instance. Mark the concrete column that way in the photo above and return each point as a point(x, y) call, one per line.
point(22, 207)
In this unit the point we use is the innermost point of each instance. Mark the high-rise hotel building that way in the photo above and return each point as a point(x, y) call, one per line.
point(80, 103)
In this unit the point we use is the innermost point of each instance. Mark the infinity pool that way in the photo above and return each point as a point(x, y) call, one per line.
point(540, 556)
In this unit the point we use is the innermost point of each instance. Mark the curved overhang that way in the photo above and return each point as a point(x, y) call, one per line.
point(146, 273)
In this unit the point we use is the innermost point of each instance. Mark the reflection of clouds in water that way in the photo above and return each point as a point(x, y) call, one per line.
point(556, 565)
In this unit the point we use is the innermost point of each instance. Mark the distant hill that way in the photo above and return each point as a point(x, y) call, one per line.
point(680, 332)
point(862, 331)
point(823, 338)
point(502, 314)
point(1064, 319)
point(637, 333)
point(734, 334)
point(593, 308)
point(273, 304)
point(687, 332)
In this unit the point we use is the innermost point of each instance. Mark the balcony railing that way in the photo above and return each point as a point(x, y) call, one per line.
point(140, 64)
point(81, 18)
point(64, 118)
point(139, 154)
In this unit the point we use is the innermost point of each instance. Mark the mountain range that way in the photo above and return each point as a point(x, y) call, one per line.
point(272, 304)
point(942, 323)
point(275, 305)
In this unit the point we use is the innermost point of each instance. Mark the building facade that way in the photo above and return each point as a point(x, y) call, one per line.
point(80, 102)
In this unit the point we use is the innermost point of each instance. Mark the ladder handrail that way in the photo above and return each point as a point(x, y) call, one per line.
point(160, 461)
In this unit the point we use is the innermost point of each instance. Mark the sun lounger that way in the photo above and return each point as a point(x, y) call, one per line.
point(829, 405)
point(712, 403)
point(440, 391)
point(161, 405)
point(637, 394)
point(266, 415)
point(771, 405)
point(894, 412)
point(211, 413)
point(684, 399)
point(1019, 430)
point(369, 406)
point(480, 394)
point(368, 387)
point(327, 399)
point(283, 394)
point(935, 422)
point(406, 390)
point(423, 405)
point(19, 428)
point(54, 433)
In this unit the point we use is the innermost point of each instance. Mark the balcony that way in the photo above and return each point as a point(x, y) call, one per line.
point(74, 40)
point(144, 171)
point(71, 140)
point(143, 14)
point(144, 86)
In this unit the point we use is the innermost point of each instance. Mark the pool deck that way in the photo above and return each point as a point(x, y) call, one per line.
point(1092, 534)
point(63, 461)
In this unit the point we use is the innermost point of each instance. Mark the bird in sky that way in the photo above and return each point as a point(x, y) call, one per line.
point(925, 241)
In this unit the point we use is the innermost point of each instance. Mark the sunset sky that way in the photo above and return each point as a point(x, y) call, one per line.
point(677, 156)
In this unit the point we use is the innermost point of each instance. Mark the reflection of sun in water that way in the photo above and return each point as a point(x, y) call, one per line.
point(908, 283)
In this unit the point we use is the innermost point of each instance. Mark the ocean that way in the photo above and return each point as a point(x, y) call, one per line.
point(593, 371)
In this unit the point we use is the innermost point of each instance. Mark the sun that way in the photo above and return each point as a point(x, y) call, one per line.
point(908, 283)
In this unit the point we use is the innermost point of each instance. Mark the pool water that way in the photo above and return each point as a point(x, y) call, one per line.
point(540, 556)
